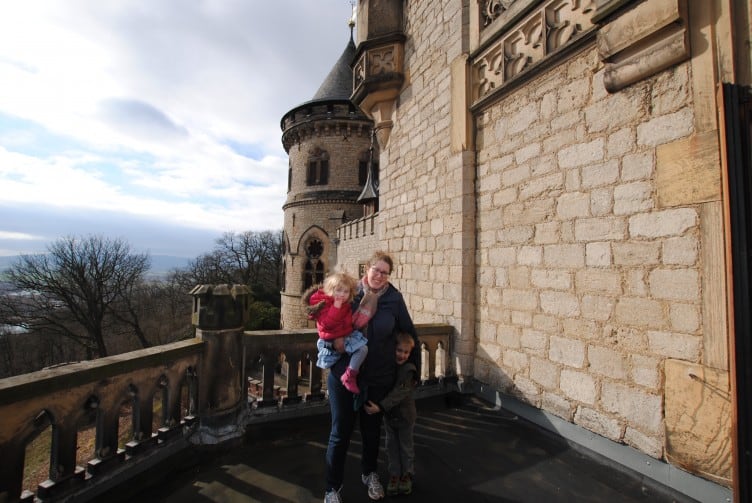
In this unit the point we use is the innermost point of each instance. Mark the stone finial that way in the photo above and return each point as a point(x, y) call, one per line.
point(220, 307)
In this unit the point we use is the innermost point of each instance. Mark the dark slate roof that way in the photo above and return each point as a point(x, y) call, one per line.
point(338, 84)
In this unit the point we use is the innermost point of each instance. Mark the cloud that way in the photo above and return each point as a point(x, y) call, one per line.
point(143, 233)
point(20, 236)
point(161, 113)
point(140, 119)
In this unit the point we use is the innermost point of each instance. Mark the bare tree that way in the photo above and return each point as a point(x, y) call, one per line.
point(252, 257)
point(78, 289)
point(248, 258)
point(164, 310)
point(204, 269)
point(6, 353)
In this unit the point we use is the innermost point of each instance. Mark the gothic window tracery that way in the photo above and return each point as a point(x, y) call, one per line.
point(313, 272)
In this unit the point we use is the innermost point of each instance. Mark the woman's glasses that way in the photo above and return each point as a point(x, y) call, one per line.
point(376, 270)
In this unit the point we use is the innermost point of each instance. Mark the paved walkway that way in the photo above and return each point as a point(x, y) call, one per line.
point(468, 453)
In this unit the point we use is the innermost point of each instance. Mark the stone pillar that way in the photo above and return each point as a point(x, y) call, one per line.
point(219, 314)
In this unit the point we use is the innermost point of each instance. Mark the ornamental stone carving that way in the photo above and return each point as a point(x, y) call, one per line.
point(377, 63)
point(492, 9)
point(543, 31)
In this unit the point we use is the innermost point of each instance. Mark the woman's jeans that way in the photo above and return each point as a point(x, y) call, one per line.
point(343, 421)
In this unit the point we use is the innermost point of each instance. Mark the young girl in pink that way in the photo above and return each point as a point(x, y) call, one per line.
point(331, 307)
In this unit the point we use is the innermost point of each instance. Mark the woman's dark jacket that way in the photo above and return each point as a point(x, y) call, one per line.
point(391, 317)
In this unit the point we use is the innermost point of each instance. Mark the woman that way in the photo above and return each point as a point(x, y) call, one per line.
point(380, 307)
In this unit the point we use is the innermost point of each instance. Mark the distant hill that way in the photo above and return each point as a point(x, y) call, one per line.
point(6, 261)
point(160, 264)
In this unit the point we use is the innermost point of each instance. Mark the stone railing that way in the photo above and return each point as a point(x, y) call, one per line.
point(283, 378)
point(92, 398)
point(364, 226)
point(139, 408)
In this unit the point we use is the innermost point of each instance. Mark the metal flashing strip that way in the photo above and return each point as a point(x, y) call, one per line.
point(662, 473)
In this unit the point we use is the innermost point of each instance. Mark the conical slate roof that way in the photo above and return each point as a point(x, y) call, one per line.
point(338, 85)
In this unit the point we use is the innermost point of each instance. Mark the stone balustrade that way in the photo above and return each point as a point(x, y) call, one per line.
point(364, 226)
point(281, 372)
point(74, 397)
point(174, 397)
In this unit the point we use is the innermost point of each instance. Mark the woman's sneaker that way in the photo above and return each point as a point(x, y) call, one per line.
point(406, 484)
point(333, 496)
point(375, 489)
point(392, 488)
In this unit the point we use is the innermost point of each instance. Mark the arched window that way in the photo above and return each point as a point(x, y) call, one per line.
point(318, 167)
point(313, 273)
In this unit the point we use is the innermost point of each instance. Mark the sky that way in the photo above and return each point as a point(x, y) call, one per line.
point(153, 121)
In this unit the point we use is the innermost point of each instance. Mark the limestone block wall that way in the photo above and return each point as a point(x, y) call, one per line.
point(420, 183)
point(586, 284)
point(570, 229)
point(357, 240)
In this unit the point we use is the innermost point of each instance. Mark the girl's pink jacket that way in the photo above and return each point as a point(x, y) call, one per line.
point(331, 322)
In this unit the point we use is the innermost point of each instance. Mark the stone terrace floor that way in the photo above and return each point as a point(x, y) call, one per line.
point(465, 452)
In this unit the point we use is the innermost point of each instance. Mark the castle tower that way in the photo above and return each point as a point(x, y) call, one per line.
point(328, 141)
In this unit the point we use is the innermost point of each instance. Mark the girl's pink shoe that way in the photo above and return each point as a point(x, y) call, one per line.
point(350, 381)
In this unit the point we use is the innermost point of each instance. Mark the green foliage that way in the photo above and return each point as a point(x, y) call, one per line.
point(266, 294)
point(262, 316)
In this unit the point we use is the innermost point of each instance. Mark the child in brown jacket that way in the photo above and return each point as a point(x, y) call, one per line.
point(399, 419)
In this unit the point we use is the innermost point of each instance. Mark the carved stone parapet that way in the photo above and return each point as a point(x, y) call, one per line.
point(358, 127)
point(378, 77)
point(324, 118)
point(642, 41)
point(495, 16)
point(546, 30)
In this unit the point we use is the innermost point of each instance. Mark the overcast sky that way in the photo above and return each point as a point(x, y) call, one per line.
point(156, 121)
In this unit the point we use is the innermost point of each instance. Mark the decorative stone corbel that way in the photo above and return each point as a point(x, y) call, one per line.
point(378, 76)
point(383, 115)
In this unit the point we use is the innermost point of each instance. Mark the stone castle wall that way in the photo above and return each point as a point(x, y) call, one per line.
point(589, 284)
point(571, 234)
point(358, 240)
point(419, 185)
point(584, 283)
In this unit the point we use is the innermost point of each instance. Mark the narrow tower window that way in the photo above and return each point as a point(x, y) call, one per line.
point(289, 178)
point(318, 168)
